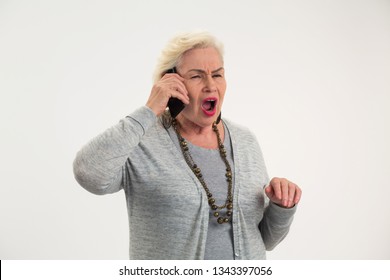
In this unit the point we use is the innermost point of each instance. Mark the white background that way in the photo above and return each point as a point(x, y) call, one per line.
point(310, 78)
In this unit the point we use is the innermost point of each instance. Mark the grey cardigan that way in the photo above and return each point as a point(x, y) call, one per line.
point(167, 206)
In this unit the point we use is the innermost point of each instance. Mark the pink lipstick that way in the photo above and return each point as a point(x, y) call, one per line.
point(209, 106)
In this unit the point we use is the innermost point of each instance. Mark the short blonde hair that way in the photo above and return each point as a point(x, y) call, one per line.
point(171, 55)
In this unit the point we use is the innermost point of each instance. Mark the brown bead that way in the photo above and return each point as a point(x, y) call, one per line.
point(197, 171)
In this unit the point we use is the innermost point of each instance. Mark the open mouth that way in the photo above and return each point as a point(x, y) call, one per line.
point(209, 106)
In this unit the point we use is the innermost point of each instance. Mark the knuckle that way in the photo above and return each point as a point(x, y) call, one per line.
point(275, 180)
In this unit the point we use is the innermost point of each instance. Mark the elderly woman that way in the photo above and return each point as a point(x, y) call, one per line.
point(196, 185)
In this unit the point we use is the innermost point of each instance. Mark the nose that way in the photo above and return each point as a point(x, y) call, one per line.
point(210, 85)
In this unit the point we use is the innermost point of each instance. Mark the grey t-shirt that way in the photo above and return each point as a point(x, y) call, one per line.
point(219, 243)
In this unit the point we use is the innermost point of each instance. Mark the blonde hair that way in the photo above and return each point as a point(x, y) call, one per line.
point(171, 55)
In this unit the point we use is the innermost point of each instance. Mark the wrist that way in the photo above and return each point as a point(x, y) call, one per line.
point(282, 206)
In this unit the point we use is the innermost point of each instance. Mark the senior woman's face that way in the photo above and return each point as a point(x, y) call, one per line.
point(204, 78)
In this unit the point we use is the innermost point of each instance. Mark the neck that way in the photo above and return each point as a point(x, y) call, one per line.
point(190, 128)
point(198, 135)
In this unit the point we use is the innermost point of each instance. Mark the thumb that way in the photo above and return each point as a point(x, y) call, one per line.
point(269, 191)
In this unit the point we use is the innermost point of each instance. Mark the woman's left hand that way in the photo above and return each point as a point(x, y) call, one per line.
point(283, 192)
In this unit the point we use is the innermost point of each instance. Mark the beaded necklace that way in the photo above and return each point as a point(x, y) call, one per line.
point(188, 158)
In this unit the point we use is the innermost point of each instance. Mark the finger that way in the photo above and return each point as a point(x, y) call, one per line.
point(284, 188)
point(276, 187)
point(179, 86)
point(182, 96)
point(291, 193)
point(184, 93)
point(171, 88)
point(171, 79)
point(174, 79)
point(172, 75)
point(269, 192)
point(298, 194)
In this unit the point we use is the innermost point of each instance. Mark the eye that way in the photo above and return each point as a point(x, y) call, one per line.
point(195, 77)
point(217, 76)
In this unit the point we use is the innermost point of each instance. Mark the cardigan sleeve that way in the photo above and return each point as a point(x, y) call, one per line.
point(99, 165)
point(276, 220)
point(275, 224)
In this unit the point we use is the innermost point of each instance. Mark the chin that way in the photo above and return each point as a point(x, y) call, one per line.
point(198, 119)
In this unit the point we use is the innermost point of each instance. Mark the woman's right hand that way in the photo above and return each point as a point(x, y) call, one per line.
point(170, 85)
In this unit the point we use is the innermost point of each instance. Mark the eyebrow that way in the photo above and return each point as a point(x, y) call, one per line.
point(203, 71)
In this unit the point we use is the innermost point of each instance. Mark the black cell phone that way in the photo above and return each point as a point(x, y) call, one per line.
point(175, 105)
